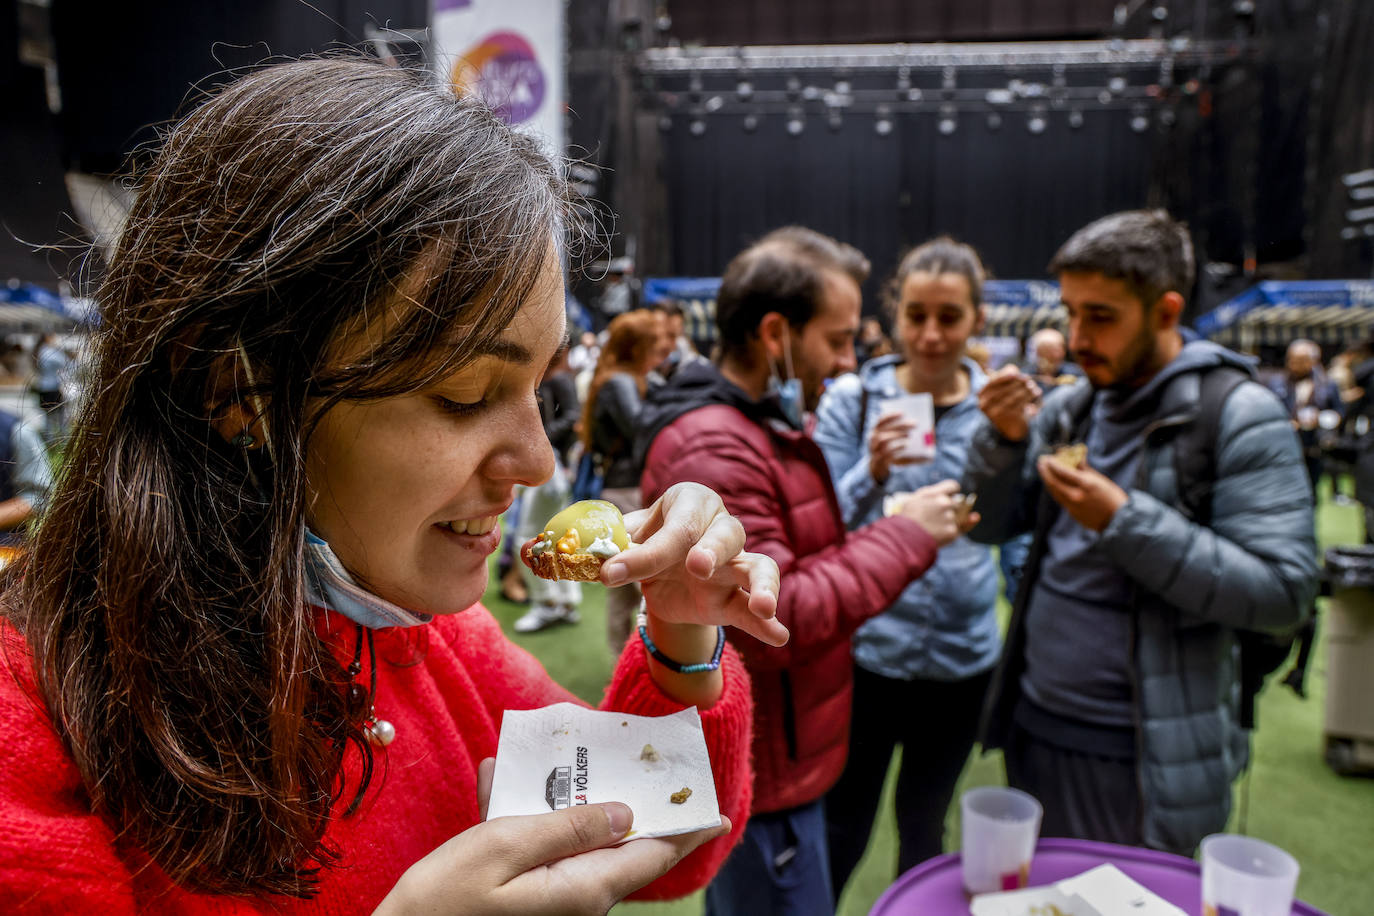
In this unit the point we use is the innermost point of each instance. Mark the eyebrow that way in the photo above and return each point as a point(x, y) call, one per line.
point(506, 350)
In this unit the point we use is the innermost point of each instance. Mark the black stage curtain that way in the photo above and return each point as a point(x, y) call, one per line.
point(1012, 194)
point(1345, 143)
point(126, 67)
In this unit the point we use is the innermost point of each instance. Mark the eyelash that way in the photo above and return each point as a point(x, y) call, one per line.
point(458, 408)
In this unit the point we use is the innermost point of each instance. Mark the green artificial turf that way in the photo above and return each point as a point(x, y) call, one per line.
point(1289, 797)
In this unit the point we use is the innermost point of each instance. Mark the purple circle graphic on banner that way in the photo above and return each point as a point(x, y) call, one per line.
point(505, 74)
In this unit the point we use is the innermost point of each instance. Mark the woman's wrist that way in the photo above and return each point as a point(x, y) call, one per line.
point(688, 645)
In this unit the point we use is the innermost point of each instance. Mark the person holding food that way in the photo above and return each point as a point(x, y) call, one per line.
point(788, 311)
point(933, 649)
point(1117, 700)
point(244, 666)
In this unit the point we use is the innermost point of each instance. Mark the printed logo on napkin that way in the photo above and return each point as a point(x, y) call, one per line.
point(565, 755)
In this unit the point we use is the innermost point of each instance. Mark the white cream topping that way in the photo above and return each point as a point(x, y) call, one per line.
point(603, 547)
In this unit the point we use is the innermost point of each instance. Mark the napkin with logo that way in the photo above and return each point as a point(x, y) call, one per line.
point(565, 755)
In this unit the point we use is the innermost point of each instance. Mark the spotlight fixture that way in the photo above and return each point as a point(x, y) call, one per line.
point(795, 124)
point(994, 120)
point(751, 123)
point(1075, 119)
point(665, 123)
point(835, 120)
point(1036, 123)
point(948, 122)
point(1140, 120)
point(697, 127)
point(745, 89)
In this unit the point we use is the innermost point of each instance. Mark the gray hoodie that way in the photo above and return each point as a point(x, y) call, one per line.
point(1191, 586)
point(1077, 622)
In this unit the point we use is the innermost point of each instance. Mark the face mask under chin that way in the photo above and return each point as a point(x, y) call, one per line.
point(791, 399)
point(328, 584)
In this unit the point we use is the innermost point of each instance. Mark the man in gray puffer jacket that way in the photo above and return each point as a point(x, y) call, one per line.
point(1116, 699)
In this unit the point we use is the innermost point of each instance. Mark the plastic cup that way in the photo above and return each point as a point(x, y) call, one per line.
point(1243, 876)
point(1000, 827)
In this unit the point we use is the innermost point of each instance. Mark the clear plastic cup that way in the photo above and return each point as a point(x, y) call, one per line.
point(1243, 876)
point(999, 830)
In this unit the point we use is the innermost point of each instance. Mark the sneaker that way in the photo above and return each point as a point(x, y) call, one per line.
point(542, 616)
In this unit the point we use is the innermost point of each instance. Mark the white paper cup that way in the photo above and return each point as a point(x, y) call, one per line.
point(1243, 876)
point(1000, 827)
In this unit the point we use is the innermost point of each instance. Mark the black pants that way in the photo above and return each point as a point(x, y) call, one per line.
point(1085, 797)
point(935, 722)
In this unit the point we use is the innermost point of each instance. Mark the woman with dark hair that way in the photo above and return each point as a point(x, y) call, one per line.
point(931, 653)
point(636, 344)
point(243, 661)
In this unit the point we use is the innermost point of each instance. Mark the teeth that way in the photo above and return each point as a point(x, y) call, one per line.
point(472, 525)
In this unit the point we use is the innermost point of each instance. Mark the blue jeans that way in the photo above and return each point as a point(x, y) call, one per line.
point(781, 867)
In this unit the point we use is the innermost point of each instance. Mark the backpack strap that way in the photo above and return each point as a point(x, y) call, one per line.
point(1195, 447)
point(1195, 467)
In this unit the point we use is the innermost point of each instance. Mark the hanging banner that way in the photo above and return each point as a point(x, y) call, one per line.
point(510, 53)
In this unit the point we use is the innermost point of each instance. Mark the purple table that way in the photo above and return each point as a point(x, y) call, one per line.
point(936, 887)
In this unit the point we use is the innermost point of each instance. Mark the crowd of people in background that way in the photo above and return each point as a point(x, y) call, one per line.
point(272, 490)
point(786, 418)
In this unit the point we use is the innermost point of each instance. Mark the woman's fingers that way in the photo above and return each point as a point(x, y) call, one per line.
point(616, 872)
point(525, 842)
point(687, 525)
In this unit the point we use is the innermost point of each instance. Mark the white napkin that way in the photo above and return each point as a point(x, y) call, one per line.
point(566, 754)
point(1101, 891)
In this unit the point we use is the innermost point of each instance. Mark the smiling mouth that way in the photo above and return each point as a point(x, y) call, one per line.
point(474, 526)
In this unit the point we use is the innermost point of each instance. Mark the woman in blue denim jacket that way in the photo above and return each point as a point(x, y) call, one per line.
point(921, 667)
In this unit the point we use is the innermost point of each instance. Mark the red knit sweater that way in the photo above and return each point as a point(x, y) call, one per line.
point(56, 857)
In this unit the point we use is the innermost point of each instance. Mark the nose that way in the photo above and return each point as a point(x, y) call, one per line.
point(847, 361)
point(523, 454)
point(1077, 339)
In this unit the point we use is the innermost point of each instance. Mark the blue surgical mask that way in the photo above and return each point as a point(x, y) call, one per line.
point(788, 392)
point(328, 584)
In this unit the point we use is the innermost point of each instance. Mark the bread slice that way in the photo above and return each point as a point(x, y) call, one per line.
point(1071, 456)
point(552, 564)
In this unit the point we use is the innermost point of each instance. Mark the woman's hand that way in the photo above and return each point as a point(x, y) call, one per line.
point(689, 558)
point(885, 444)
point(560, 862)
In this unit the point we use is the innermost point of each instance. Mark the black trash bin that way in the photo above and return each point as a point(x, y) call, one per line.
point(1349, 726)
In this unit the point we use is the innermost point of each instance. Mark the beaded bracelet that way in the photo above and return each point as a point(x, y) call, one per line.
point(675, 666)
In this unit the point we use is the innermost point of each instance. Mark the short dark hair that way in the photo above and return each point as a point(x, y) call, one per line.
point(1146, 249)
point(782, 272)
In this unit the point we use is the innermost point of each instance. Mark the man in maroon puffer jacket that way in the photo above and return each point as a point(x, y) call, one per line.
point(788, 311)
